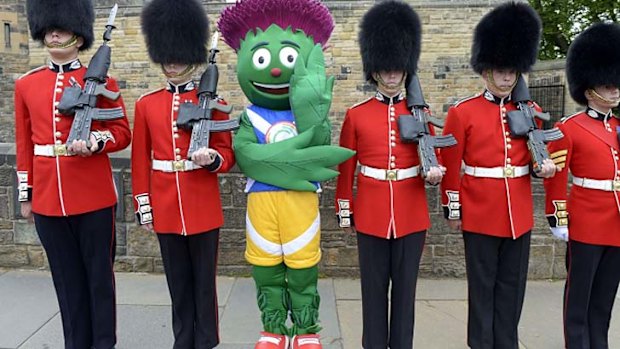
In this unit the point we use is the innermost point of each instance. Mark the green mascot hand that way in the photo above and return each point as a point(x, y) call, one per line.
point(311, 93)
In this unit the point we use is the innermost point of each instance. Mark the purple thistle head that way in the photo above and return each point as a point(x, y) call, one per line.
point(309, 16)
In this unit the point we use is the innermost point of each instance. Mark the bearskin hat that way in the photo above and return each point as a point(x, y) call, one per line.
point(508, 37)
point(593, 60)
point(390, 38)
point(44, 15)
point(175, 31)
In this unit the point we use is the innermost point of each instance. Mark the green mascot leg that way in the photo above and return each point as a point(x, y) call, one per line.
point(271, 297)
point(304, 298)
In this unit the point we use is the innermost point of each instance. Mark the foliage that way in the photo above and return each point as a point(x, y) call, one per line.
point(564, 19)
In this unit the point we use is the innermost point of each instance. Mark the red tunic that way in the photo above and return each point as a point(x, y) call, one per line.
point(182, 202)
point(62, 185)
point(499, 207)
point(386, 209)
point(589, 149)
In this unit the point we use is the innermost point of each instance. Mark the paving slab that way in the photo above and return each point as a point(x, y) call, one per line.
point(240, 321)
point(441, 324)
point(27, 302)
point(139, 327)
point(350, 315)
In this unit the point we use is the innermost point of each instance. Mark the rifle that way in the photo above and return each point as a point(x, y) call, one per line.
point(81, 102)
point(414, 128)
point(198, 117)
point(522, 124)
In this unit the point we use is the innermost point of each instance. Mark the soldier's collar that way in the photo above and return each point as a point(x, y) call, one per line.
point(489, 96)
point(595, 114)
point(181, 88)
point(63, 68)
point(389, 100)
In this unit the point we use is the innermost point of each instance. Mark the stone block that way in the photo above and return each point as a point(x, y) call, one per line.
point(6, 237)
point(449, 266)
point(232, 256)
point(37, 257)
point(541, 262)
point(5, 211)
point(142, 243)
point(26, 234)
point(7, 176)
point(234, 218)
point(13, 256)
point(133, 264)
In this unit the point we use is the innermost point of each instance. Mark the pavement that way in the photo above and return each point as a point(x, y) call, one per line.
point(29, 317)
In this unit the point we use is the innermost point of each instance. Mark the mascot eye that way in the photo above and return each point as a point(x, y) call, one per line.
point(288, 56)
point(261, 58)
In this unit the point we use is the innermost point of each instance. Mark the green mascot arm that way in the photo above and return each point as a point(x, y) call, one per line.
point(292, 164)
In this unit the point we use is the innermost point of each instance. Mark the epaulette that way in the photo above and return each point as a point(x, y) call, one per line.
point(463, 100)
point(566, 118)
point(360, 103)
point(33, 71)
point(151, 92)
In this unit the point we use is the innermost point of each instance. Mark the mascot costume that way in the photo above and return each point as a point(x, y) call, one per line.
point(283, 148)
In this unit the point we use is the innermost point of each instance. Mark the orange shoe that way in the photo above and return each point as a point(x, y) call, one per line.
point(271, 341)
point(307, 341)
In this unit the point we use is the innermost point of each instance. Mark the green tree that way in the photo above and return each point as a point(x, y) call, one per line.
point(564, 19)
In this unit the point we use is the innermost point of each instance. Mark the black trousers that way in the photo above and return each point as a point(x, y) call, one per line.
point(80, 250)
point(496, 278)
point(381, 261)
point(591, 286)
point(190, 264)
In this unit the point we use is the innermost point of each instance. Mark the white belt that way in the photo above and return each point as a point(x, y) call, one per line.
point(599, 184)
point(51, 150)
point(497, 172)
point(390, 175)
point(174, 166)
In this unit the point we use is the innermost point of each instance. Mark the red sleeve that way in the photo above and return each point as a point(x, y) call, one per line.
point(452, 158)
point(115, 134)
point(24, 146)
point(222, 143)
point(560, 152)
point(141, 166)
point(344, 186)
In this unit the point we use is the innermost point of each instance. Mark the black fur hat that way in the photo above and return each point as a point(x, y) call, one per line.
point(175, 31)
point(76, 16)
point(390, 38)
point(593, 60)
point(508, 37)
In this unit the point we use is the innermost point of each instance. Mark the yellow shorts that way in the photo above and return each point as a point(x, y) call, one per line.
point(283, 226)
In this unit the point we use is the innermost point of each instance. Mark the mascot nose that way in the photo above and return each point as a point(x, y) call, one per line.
point(276, 72)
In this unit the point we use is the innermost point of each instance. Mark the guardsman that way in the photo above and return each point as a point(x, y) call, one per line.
point(69, 188)
point(391, 213)
point(589, 217)
point(492, 201)
point(176, 194)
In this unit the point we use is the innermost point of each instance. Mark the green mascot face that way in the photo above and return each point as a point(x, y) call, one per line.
point(266, 61)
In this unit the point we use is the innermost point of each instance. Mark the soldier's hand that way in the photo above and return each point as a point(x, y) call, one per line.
point(26, 210)
point(148, 226)
point(548, 169)
point(204, 156)
point(454, 224)
point(435, 174)
point(79, 147)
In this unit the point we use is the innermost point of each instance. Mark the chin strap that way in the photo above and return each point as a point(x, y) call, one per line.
point(491, 82)
point(186, 72)
point(68, 43)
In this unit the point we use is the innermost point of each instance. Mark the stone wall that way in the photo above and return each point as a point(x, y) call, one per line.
point(445, 76)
